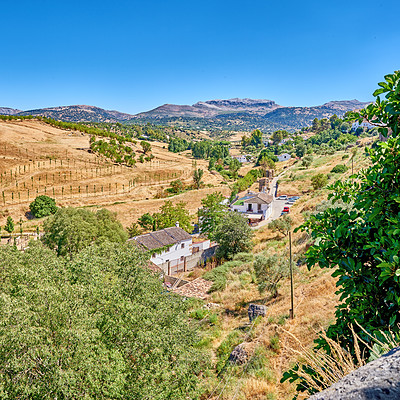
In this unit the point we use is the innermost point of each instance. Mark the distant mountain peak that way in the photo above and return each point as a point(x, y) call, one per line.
point(9, 111)
point(78, 113)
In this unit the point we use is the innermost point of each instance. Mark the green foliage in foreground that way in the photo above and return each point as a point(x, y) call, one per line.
point(361, 242)
point(97, 326)
point(43, 206)
point(70, 230)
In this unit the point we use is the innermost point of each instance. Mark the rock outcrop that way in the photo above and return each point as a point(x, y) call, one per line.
point(378, 380)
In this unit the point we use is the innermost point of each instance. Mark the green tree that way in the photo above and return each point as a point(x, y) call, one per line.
point(70, 230)
point(318, 181)
point(256, 138)
point(234, 167)
point(146, 146)
point(176, 186)
point(98, 326)
point(301, 150)
point(134, 230)
point(171, 214)
point(147, 222)
point(233, 235)
point(197, 175)
point(307, 160)
point(211, 212)
point(282, 225)
point(43, 206)
point(270, 271)
point(266, 163)
point(361, 242)
point(9, 225)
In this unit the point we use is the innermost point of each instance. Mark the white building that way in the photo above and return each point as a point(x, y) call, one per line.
point(173, 250)
point(284, 157)
point(242, 158)
point(169, 244)
point(255, 206)
point(364, 124)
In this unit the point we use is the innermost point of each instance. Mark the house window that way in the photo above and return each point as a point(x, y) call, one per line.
point(182, 245)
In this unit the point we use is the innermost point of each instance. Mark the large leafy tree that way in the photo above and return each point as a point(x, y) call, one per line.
point(211, 212)
point(97, 326)
point(233, 235)
point(361, 242)
point(43, 206)
point(171, 214)
point(70, 230)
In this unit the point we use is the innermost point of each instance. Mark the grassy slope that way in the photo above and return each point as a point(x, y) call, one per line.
point(314, 298)
point(39, 149)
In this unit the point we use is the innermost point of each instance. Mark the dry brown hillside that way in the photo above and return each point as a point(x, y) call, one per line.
point(36, 158)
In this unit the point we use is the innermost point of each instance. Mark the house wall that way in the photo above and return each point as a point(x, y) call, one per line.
point(284, 157)
point(200, 246)
point(241, 209)
point(175, 252)
point(190, 262)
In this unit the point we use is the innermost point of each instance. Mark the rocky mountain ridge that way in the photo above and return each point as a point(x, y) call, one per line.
point(216, 115)
point(9, 111)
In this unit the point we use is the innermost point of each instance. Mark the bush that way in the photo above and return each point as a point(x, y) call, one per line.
point(43, 206)
point(339, 169)
point(243, 257)
point(218, 275)
point(319, 181)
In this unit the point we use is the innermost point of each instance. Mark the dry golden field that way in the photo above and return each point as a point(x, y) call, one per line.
point(36, 159)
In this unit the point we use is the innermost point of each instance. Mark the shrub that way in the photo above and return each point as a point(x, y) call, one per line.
point(43, 206)
point(243, 257)
point(319, 181)
point(339, 169)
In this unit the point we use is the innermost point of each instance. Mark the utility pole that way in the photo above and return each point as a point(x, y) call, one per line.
point(291, 314)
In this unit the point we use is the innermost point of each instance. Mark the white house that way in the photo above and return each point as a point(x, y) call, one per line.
point(364, 124)
point(242, 158)
point(284, 157)
point(169, 245)
point(255, 206)
point(173, 250)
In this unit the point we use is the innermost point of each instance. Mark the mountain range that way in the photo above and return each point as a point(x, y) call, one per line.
point(231, 114)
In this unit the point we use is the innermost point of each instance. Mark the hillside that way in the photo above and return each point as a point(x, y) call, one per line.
point(210, 109)
point(213, 115)
point(265, 116)
point(36, 158)
point(79, 113)
point(9, 111)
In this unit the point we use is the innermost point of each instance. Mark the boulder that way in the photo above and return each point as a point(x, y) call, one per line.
point(378, 380)
point(255, 310)
point(239, 355)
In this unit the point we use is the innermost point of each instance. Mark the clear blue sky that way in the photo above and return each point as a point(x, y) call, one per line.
point(135, 55)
